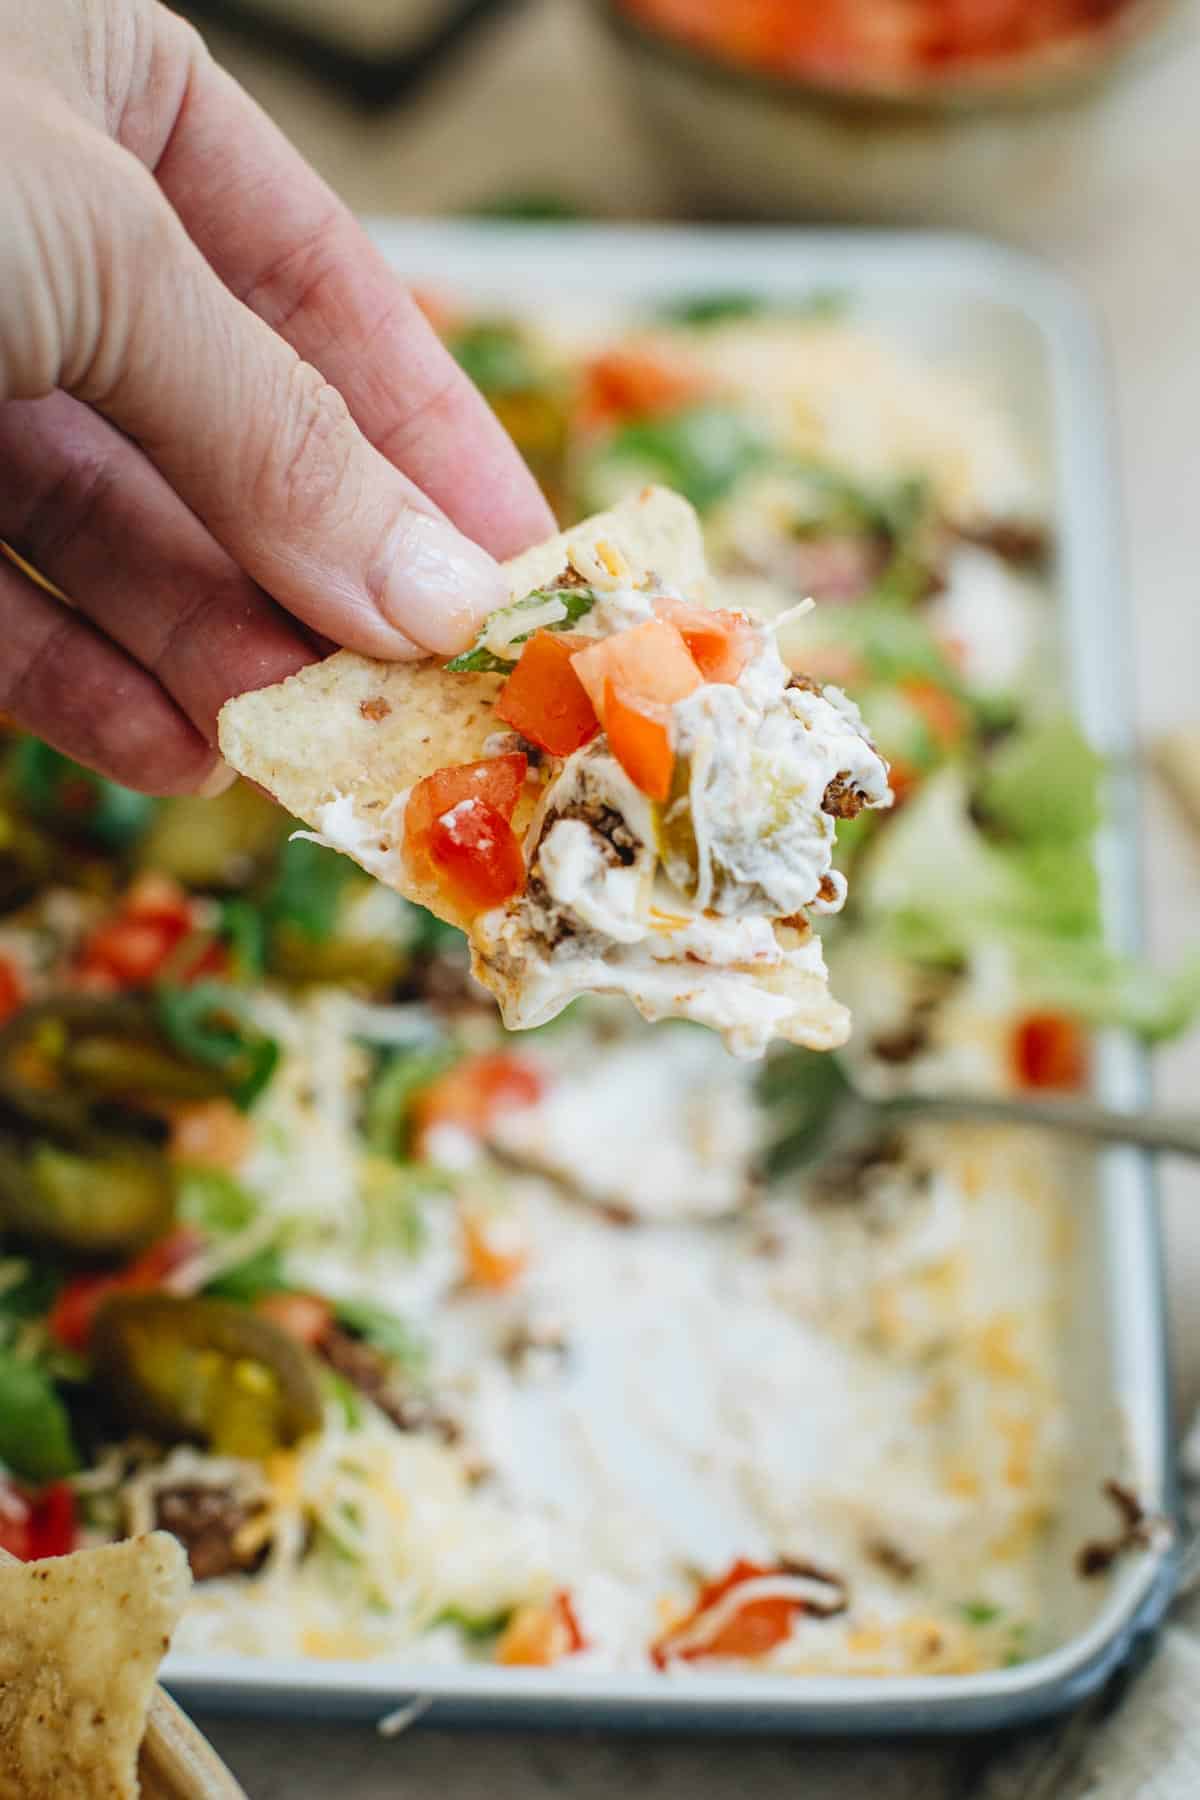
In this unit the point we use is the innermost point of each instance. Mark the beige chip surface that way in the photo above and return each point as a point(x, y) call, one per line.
point(81, 1639)
point(363, 731)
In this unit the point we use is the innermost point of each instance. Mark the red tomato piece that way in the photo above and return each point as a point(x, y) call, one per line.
point(478, 1091)
point(305, 1317)
point(490, 1264)
point(751, 1631)
point(544, 698)
point(649, 662)
point(721, 642)
point(477, 856)
point(639, 736)
point(130, 949)
point(456, 830)
point(570, 1622)
point(35, 1527)
point(12, 989)
point(71, 1317)
point(497, 780)
point(537, 1637)
point(16, 1523)
point(904, 779)
point(1050, 1050)
point(941, 712)
point(52, 1526)
point(635, 384)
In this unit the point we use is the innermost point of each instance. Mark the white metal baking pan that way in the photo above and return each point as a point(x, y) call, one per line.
point(997, 313)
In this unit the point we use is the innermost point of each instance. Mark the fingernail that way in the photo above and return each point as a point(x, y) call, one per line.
point(219, 782)
point(439, 586)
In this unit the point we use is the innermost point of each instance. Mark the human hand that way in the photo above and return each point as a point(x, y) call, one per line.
point(226, 429)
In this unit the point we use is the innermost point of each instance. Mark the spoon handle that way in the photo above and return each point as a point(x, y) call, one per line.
point(1175, 1132)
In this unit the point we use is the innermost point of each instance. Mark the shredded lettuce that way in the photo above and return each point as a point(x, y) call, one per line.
point(385, 1330)
point(392, 1197)
point(390, 1101)
point(262, 1273)
point(1042, 786)
point(216, 1203)
point(701, 451)
point(936, 888)
point(480, 660)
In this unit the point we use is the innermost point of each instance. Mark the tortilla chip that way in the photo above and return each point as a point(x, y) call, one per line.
point(81, 1638)
point(365, 730)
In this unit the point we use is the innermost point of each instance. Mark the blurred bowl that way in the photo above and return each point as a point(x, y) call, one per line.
point(963, 148)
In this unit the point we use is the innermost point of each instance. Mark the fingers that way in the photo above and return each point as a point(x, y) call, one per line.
point(61, 679)
point(285, 245)
point(254, 440)
point(94, 516)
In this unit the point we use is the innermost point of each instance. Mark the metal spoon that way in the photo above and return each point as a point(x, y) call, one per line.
point(821, 1116)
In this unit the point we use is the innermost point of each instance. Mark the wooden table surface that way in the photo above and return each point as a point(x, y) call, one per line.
point(535, 103)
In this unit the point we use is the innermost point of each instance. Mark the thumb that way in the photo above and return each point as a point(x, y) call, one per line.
point(255, 441)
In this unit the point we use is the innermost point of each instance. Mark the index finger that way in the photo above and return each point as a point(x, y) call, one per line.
point(283, 243)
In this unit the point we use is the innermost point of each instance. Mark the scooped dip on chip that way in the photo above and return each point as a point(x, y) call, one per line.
point(619, 789)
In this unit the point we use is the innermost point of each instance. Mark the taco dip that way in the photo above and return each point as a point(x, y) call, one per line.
point(497, 1366)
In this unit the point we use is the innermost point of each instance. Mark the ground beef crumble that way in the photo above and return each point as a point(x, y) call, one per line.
point(841, 799)
point(209, 1522)
point(374, 1375)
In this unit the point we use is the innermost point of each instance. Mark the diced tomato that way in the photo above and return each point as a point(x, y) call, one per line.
point(130, 949)
point(497, 781)
point(635, 384)
point(942, 713)
point(305, 1317)
point(12, 989)
point(35, 1527)
point(490, 1262)
point(478, 1091)
point(721, 642)
point(16, 1517)
point(537, 1637)
point(751, 1631)
point(210, 1134)
point(904, 779)
point(52, 1527)
point(544, 698)
point(648, 662)
point(633, 679)
point(1050, 1050)
point(639, 736)
point(477, 856)
point(71, 1317)
point(456, 829)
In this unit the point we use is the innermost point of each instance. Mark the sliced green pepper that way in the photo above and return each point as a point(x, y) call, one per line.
point(26, 861)
point(211, 1025)
point(206, 1371)
point(223, 843)
point(35, 1432)
point(63, 1061)
point(99, 1203)
point(374, 963)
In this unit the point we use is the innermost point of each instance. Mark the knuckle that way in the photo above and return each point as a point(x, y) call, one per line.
point(296, 282)
point(66, 509)
point(129, 239)
point(304, 477)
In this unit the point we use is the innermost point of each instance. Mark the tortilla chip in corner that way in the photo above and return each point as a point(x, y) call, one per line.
point(362, 732)
point(81, 1638)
